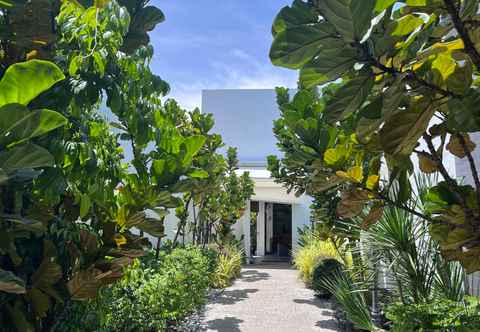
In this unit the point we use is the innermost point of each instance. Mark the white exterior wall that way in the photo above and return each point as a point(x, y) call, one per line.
point(300, 218)
point(463, 171)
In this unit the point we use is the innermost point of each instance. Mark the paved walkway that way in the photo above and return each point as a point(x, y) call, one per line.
point(268, 298)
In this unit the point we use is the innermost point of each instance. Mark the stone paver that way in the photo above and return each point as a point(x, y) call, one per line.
point(268, 298)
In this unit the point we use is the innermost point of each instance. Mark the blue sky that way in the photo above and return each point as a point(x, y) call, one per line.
point(216, 44)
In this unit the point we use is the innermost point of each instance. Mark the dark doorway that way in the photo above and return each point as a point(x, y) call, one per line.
point(282, 230)
point(254, 208)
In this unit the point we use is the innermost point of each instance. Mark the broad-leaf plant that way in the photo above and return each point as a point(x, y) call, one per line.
point(400, 87)
point(92, 157)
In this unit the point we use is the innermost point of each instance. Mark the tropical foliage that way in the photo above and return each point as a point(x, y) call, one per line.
point(217, 199)
point(402, 271)
point(443, 315)
point(153, 295)
point(90, 151)
point(313, 251)
point(402, 91)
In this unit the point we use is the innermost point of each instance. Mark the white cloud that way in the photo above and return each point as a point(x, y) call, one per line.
point(242, 71)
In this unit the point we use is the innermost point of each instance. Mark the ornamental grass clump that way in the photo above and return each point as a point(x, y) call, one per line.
point(307, 257)
point(229, 264)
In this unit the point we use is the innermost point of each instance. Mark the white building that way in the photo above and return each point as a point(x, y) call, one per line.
point(244, 118)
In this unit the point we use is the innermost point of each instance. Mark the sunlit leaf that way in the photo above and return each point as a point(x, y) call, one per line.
point(372, 182)
point(354, 174)
point(24, 81)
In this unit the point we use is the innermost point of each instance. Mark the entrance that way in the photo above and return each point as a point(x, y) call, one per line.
point(270, 229)
point(280, 242)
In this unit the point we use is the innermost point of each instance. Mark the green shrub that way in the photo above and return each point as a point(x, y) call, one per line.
point(229, 264)
point(151, 296)
point(307, 257)
point(325, 268)
point(439, 315)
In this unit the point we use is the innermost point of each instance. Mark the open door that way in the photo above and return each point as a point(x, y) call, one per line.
point(281, 242)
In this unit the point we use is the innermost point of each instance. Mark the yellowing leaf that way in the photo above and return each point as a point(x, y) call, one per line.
point(354, 174)
point(32, 55)
point(120, 240)
point(122, 217)
point(331, 156)
point(372, 181)
point(445, 65)
point(436, 48)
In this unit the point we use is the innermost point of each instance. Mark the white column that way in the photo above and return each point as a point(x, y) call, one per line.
point(261, 229)
point(245, 220)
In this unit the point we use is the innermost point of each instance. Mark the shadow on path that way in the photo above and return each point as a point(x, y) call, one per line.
point(254, 275)
point(315, 302)
point(227, 324)
point(330, 324)
point(233, 296)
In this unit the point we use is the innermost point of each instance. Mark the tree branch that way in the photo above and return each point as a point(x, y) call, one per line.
point(438, 161)
point(397, 204)
point(413, 77)
point(463, 32)
point(451, 182)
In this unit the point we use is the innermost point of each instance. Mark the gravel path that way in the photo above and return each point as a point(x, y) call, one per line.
point(268, 298)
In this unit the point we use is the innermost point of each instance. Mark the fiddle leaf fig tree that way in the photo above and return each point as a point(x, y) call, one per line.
point(403, 88)
point(89, 151)
point(20, 84)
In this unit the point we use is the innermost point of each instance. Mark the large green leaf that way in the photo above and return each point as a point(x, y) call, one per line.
point(402, 131)
point(351, 18)
point(292, 48)
point(18, 123)
point(349, 97)
point(463, 113)
point(152, 226)
point(393, 96)
point(332, 62)
point(298, 14)
point(383, 4)
point(24, 81)
point(25, 156)
point(192, 144)
point(10, 283)
point(404, 25)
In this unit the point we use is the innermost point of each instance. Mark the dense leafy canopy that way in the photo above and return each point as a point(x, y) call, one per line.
point(403, 89)
point(92, 156)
